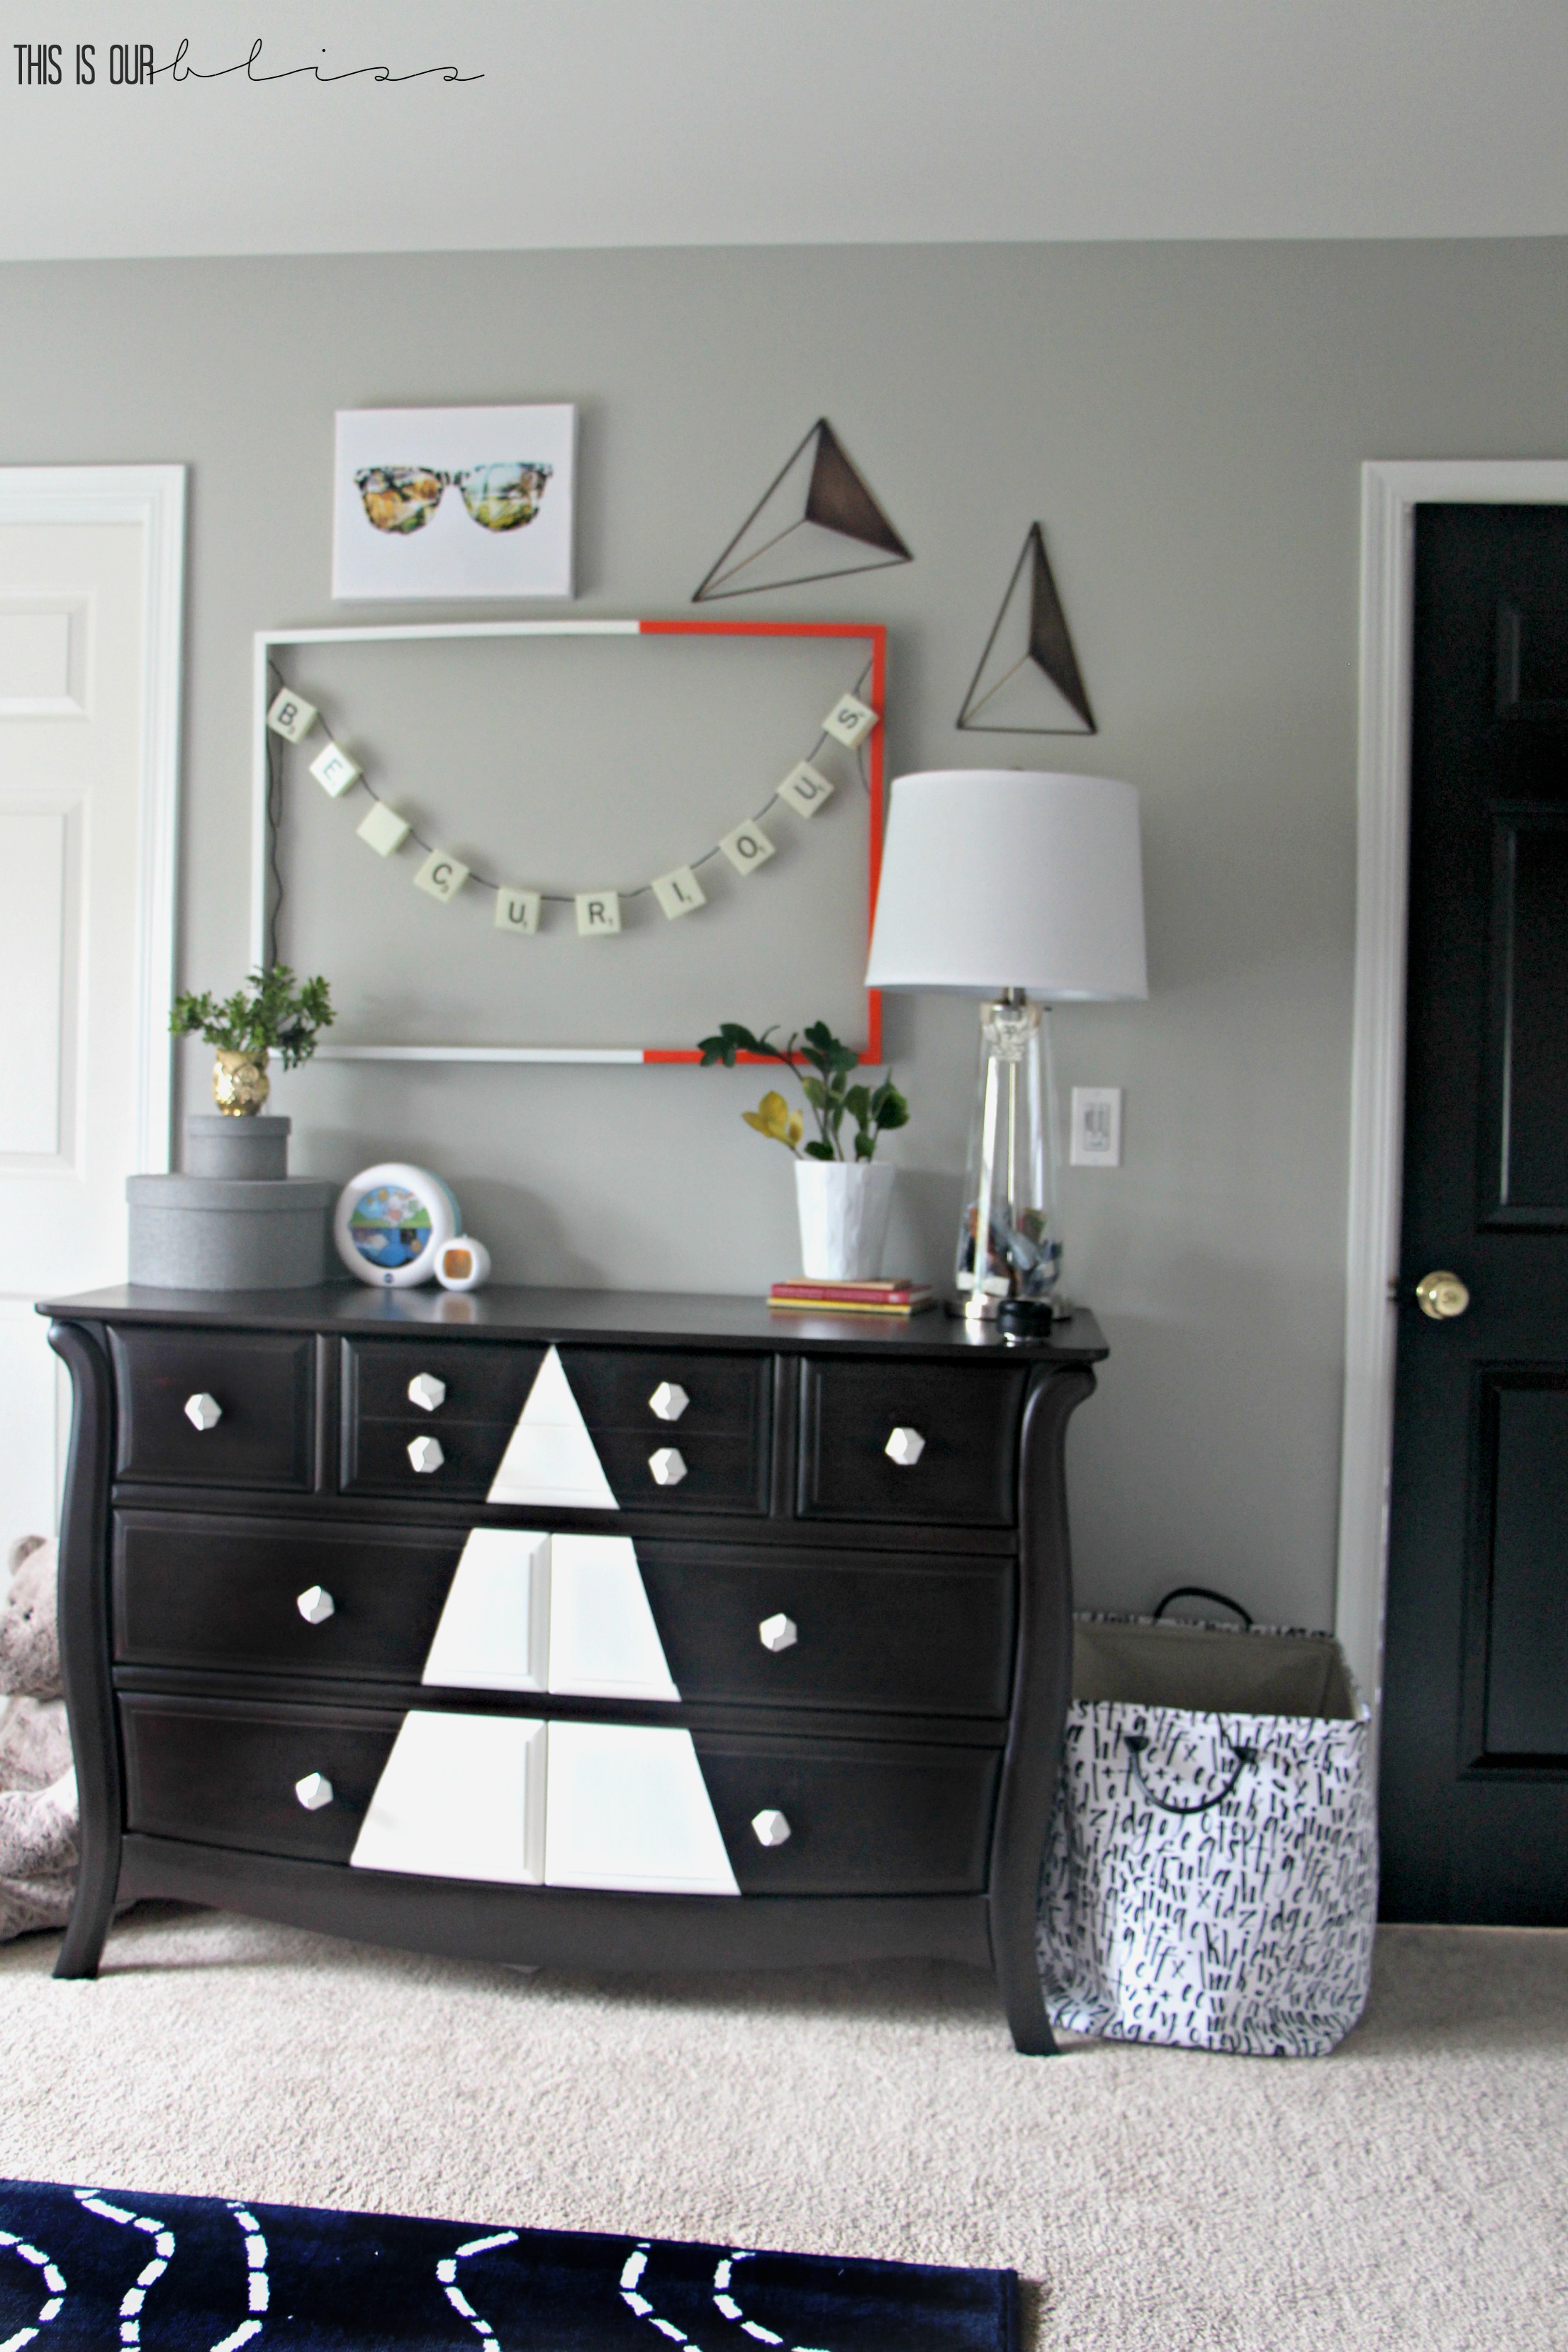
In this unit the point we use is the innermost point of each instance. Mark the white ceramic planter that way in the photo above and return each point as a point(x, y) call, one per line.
point(844, 1207)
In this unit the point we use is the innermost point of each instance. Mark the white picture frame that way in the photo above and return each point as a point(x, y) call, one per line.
point(439, 503)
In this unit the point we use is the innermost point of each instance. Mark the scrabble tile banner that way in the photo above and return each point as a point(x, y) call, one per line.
point(297, 736)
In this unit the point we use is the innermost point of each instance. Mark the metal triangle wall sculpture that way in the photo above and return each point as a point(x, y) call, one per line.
point(817, 520)
point(1028, 681)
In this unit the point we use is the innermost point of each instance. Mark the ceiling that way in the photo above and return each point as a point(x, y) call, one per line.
point(615, 122)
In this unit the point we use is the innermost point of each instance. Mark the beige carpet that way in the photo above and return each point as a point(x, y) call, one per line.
point(1407, 2192)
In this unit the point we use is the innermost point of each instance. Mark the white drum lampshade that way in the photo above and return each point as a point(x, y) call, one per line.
point(1000, 879)
point(1009, 885)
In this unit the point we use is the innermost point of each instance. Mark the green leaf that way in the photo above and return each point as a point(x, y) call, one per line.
point(819, 1151)
point(858, 1103)
point(865, 1146)
point(814, 1093)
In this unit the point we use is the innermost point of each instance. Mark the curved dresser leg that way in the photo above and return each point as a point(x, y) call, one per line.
point(84, 1645)
point(1042, 1686)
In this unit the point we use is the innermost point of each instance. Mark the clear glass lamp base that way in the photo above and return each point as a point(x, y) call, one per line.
point(1009, 1248)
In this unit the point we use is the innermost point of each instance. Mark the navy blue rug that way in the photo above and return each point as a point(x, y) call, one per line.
point(108, 2269)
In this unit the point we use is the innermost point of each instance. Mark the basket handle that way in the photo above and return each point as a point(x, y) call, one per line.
point(1137, 1741)
point(1200, 1593)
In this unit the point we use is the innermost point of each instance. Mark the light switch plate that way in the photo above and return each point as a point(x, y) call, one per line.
point(1096, 1127)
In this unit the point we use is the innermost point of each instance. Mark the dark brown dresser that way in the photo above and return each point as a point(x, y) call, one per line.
point(588, 1629)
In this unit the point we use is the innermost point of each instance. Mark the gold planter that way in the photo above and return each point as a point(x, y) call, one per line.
point(240, 1083)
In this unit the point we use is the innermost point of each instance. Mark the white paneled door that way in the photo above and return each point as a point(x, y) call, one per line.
point(89, 643)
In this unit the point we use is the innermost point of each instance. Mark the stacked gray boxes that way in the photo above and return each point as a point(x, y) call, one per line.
point(236, 1219)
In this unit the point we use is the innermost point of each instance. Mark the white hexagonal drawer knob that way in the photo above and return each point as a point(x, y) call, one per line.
point(425, 1454)
point(668, 1400)
point(668, 1466)
point(202, 1411)
point(770, 1827)
point(779, 1633)
point(905, 1447)
point(315, 1604)
point(426, 1392)
point(314, 1791)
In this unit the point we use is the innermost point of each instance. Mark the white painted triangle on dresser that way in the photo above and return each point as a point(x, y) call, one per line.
point(530, 1611)
point(550, 1456)
point(604, 1642)
point(461, 1796)
point(628, 1807)
point(494, 1628)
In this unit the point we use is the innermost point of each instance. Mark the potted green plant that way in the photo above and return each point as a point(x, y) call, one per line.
point(843, 1198)
point(273, 1013)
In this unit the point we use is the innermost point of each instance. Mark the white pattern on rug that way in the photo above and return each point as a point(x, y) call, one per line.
point(54, 2290)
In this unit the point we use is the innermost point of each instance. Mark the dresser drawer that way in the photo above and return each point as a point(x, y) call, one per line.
point(569, 1428)
point(195, 1591)
point(219, 1409)
point(959, 1437)
point(864, 1819)
point(826, 1629)
point(228, 1774)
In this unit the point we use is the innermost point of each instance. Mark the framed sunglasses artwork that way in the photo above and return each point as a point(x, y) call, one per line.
point(453, 502)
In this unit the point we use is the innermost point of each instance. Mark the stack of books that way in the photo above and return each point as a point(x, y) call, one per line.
point(807, 1298)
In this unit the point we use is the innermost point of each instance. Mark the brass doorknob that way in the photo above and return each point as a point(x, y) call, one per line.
point(1441, 1296)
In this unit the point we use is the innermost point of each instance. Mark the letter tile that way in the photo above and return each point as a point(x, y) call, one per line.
point(291, 716)
point(747, 847)
point(382, 829)
point(441, 876)
point(807, 788)
point(334, 771)
point(598, 914)
point(679, 893)
point(518, 911)
point(849, 722)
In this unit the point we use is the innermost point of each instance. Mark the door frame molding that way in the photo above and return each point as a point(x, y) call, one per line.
point(1389, 493)
point(154, 497)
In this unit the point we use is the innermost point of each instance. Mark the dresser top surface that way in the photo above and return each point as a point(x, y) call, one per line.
point(627, 1317)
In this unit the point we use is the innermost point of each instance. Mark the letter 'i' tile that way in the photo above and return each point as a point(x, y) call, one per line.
point(679, 893)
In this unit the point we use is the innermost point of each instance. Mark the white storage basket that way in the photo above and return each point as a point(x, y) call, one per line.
point(1211, 1874)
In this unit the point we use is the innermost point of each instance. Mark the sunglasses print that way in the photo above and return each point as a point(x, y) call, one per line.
point(401, 499)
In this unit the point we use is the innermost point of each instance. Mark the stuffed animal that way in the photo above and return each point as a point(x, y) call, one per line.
point(38, 1783)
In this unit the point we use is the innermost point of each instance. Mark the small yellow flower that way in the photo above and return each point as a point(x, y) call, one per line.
point(774, 1117)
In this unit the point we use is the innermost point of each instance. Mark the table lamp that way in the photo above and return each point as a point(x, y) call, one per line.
point(1025, 889)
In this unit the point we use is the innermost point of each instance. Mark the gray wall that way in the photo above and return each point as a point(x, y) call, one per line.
point(1188, 422)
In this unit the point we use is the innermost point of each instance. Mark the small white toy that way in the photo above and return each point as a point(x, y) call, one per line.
point(463, 1264)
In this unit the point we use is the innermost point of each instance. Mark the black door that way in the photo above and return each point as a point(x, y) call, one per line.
point(1474, 1742)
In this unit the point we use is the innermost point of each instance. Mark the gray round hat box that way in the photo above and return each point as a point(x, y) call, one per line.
point(236, 1219)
